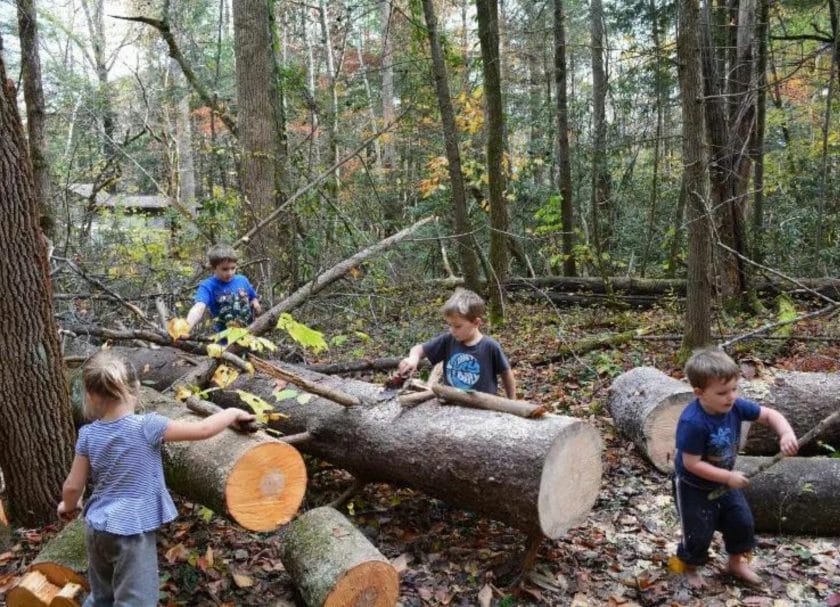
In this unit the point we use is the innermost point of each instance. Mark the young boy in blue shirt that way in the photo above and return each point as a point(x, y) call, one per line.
point(472, 361)
point(708, 439)
point(229, 296)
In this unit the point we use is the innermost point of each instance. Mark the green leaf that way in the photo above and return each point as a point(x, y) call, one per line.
point(205, 513)
point(339, 340)
point(362, 336)
point(281, 395)
point(308, 338)
point(786, 313)
point(304, 398)
point(259, 406)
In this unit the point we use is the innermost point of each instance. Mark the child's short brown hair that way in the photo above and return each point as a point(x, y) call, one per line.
point(219, 253)
point(464, 303)
point(707, 365)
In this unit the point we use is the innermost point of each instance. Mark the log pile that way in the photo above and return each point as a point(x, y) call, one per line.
point(334, 565)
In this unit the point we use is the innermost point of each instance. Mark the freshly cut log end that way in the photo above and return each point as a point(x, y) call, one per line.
point(72, 595)
point(574, 461)
point(798, 495)
point(334, 565)
point(266, 486)
point(645, 405)
point(372, 584)
point(63, 559)
point(33, 590)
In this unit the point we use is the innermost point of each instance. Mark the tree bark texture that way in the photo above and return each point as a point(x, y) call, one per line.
point(645, 405)
point(36, 430)
point(334, 565)
point(564, 150)
point(796, 496)
point(603, 216)
point(535, 474)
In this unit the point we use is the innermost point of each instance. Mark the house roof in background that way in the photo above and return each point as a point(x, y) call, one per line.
point(120, 200)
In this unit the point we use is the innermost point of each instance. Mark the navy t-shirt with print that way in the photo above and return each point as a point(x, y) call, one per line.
point(475, 367)
point(716, 438)
point(229, 302)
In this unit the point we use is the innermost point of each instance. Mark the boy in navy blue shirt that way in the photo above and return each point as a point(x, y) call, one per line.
point(472, 361)
point(708, 438)
point(229, 296)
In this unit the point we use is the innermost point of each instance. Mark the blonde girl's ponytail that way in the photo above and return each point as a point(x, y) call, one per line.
point(110, 376)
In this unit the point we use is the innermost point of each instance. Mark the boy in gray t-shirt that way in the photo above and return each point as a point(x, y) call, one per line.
point(472, 361)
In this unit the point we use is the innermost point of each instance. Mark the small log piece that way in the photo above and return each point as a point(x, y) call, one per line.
point(33, 590)
point(798, 495)
point(72, 595)
point(63, 560)
point(334, 565)
point(646, 405)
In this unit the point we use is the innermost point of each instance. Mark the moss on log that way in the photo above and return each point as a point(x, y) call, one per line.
point(63, 559)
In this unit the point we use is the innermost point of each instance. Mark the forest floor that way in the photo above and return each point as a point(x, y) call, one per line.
point(447, 556)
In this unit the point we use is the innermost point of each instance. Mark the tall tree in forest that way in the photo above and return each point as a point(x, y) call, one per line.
point(487, 12)
point(393, 210)
point(460, 218)
point(33, 93)
point(698, 286)
point(602, 212)
point(36, 430)
point(757, 142)
point(564, 151)
point(261, 127)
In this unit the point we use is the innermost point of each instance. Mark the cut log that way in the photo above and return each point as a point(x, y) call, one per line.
point(796, 496)
point(803, 398)
point(72, 595)
point(63, 560)
point(646, 405)
point(334, 565)
point(33, 590)
point(535, 474)
point(256, 480)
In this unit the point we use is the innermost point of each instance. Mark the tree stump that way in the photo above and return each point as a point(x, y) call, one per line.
point(256, 480)
point(646, 405)
point(798, 495)
point(334, 565)
point(63, 560)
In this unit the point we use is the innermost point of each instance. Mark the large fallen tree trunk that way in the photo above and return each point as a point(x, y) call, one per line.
point(799, 495)
point(334, 565)
point(535, 474)
point(646, 404)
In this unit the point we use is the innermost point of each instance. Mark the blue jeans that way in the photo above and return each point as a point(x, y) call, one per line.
point(700, 517)
point(122, 569)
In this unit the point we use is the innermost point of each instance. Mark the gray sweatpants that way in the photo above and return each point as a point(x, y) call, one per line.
point(122, 569)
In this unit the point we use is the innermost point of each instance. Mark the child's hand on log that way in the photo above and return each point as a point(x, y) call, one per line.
point(68, 514)
point(788, 443)
point(737, 480)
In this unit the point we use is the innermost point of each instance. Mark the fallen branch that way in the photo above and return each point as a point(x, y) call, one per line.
point(587, 344)
point(491, 402)
point(775, 325)
point(336, 396)
point(803, 440)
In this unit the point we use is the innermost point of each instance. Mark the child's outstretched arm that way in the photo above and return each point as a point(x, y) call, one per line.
point(409, 363)
point(210, 426)
point(788, 444)
point(74, 487)
point(509, 383)
point(195, 314)
point(256, 307)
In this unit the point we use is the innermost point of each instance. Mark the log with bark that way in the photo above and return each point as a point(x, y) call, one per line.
point(32, 590)
point(645, 405)
point(796, 496)
point(334, 565)
point(535, 474)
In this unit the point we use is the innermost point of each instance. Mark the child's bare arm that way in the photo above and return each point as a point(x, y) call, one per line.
point(195, 314)
point(257, 307)
point(74, 486)
point(777, 422)
point(698, 467)
point(509, 383)
point(209, 426)
point(409, 364)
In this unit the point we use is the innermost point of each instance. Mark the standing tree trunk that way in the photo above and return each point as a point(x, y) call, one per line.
point(469, 264)
point(564, 174)
point(260, 123)
point(487, 12)
point(36, 430)
point(757, 144)
point(393, 210)
point(698, 330)
point(33, 93)
point(602, 215)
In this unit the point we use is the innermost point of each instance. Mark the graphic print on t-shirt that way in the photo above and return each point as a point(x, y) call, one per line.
point(462, 370)
point(234, 308)
point(721, 452)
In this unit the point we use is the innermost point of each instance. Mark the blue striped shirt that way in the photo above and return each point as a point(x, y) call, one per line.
point(129, 491)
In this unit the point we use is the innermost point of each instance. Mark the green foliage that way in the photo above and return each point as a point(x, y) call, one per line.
point(306, 337)
point(787, 313)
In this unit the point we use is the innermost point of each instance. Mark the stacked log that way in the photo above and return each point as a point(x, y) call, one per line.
point(798, 495)
point(334, 565)
point(646, 405)
point(538, 475)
